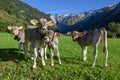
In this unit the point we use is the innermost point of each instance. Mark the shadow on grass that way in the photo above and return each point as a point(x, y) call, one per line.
point(68, 60)
point(7, 54)
point(78, 61)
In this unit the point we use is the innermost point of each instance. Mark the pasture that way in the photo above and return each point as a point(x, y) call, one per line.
point(14, 67)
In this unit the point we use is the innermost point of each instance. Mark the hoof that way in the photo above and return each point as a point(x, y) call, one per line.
point(52, 64)
point(84, 59)
point(34, 67)
point(92, 66)
point(60, 63)
point(43, 65)
point(105, 65)
point(45, 58)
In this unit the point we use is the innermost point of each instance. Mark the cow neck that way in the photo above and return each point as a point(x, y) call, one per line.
point(49, 43)
point(42, 36)
point(53, 37)
point(79, 38)
point(19, 32)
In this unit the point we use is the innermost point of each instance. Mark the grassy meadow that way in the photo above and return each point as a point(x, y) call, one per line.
point(14, 67)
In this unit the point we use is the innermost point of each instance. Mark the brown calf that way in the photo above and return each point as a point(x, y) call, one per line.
point(51, 39)
point(92, 39)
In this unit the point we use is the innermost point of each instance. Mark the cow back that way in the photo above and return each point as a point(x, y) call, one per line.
point(32, 33)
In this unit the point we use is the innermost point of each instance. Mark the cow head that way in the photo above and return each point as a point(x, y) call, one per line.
point(76, 35)
point(42, 24)
point(15, 31)
point(50, 35)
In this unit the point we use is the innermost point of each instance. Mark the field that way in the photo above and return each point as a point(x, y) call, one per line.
point(14, 67)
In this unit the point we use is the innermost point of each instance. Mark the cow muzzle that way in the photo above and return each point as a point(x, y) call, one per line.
point(74, 39)
point(15, 37)
point(46, 39)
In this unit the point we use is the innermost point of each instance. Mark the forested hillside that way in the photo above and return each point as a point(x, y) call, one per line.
point(15, 12)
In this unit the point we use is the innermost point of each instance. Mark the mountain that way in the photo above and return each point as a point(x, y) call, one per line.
point(90, 20)
point(16, 12)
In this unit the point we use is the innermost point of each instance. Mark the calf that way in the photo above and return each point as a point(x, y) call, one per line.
point(51, 39)
point(93, 39)
point(19, 35)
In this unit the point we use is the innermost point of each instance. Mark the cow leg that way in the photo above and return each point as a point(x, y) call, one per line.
point(51, 56)
point(105, 51)
point(19, 47)
point(35, 57)
point(58, 55)
point(31, 51)
point(45, 52)
point(95, 55)
point(42, 55)
point(25, 49)
point(84, 51)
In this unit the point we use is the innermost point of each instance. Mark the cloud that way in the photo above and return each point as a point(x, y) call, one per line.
point(59, 11)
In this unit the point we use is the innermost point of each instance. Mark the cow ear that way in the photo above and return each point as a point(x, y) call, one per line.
point(85, 33)
point(57, 34)
point(9, 27)
point(80, 34)
point(34, 22)
point(51, 23)
point(69, 33)
point(21, 27)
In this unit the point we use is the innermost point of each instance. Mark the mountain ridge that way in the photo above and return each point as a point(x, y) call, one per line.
point(88, 20)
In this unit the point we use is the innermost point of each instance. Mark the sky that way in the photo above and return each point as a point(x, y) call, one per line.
point(68, 6)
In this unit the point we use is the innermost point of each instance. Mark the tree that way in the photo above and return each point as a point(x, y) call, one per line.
point(114, 27)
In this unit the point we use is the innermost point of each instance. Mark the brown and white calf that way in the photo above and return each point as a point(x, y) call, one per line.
point(92, 39)
point(51, 40)
point(19, 35)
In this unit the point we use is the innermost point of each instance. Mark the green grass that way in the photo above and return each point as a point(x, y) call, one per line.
point(14, 67)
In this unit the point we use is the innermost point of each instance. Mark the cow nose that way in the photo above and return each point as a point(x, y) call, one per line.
point(74, 40)
point(15, 37)
point(45, 38)
point(43, 29)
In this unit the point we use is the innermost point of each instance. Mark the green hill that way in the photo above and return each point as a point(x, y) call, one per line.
point(15, 12)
